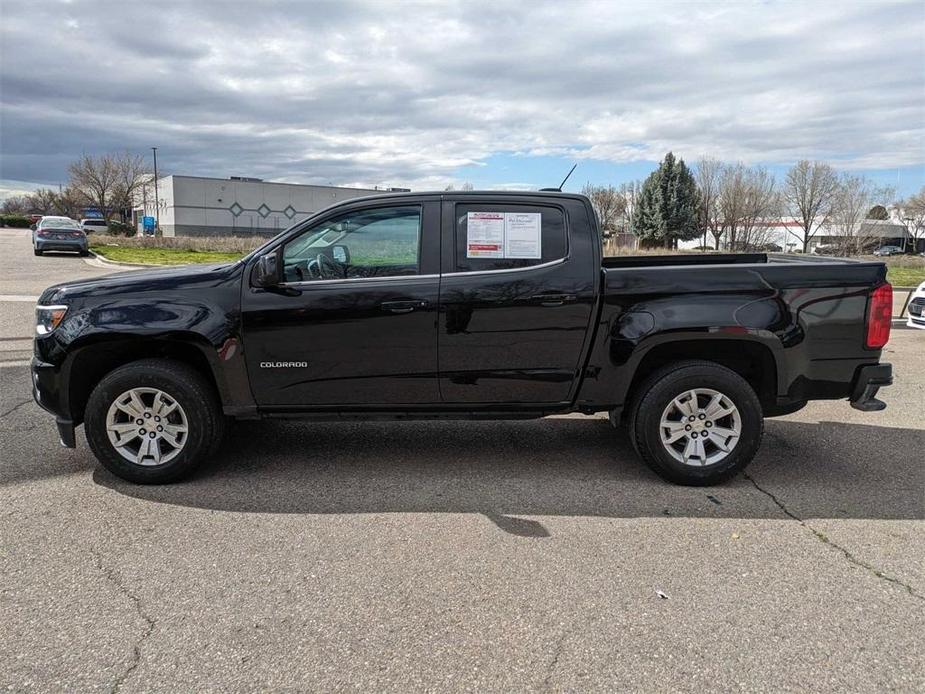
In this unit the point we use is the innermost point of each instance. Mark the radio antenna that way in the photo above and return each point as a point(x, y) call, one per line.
point(559, 189)
point(574, 166)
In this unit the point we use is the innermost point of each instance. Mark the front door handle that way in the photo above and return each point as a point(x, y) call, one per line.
point(553, 299)
point(403, 306)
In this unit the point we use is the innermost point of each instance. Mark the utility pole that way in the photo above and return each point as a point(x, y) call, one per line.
point(157, 207)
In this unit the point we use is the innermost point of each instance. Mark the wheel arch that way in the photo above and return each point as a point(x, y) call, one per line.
point(91, 362)
point(753, 359)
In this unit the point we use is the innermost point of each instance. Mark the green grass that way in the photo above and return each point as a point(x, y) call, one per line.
point(905, 276)
point(161, 256)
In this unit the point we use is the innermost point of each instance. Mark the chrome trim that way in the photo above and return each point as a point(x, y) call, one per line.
point(315, 283)
point(541, 266)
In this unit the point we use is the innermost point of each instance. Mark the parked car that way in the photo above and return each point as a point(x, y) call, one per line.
point(888, 250)
point(826, 249)
point(459, 305)
point(90, 225)
point(58, 234)
point(916, 308)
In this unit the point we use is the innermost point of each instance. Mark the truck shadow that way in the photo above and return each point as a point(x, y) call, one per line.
point(553, 467)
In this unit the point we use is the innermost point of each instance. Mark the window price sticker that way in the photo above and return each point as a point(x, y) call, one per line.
point(503, 235)
point(485, 235)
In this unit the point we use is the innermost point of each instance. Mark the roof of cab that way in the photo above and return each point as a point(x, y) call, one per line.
point(470, 193)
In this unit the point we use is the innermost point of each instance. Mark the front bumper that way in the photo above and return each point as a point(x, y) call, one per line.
point(867, 382)
point(47, 392)
point(916, 310)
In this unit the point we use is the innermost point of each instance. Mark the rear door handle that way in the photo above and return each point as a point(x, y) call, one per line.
point(553, 299)
point(403, 306)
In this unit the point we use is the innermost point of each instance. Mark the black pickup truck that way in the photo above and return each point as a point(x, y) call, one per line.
point(459, 305)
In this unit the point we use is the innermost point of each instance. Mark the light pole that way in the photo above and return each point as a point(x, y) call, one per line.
point(157, 207)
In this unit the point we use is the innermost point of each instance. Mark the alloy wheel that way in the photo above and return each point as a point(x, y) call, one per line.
point(700, 427)
point(147, 426)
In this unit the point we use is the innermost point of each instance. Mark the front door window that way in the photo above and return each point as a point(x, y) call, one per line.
point(381, 242)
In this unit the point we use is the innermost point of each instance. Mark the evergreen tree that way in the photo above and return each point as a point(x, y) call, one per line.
point(668, 205)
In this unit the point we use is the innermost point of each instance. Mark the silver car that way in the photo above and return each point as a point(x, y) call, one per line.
point(94, 224)
point(58, 234)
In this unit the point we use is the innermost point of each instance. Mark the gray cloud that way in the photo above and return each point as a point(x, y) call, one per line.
point(378, 93)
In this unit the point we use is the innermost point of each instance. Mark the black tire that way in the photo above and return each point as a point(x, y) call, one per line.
point(36, 251)
point(671, 381)
point(187, 387)
point(84, 254)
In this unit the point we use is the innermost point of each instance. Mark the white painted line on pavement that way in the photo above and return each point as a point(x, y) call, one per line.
point(25, 362)
point(24, 298)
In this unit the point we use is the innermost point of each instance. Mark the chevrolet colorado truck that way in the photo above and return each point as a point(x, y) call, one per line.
point(466, 305)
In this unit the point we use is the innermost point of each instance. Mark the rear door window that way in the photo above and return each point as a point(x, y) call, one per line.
point(506, 237)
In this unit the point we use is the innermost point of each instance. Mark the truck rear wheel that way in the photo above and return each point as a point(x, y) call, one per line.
point(153, 421)
point(696, 423)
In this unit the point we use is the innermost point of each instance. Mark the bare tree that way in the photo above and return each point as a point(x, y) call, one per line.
point(15, 204)
point(912, 210)
point(608, 205)
point(69, 203)
point(629, 193)
point(97, 180)
point(809, 191)
point(740, 204)
point(132, 173)
point(852, 202)
point(760, 207)
point(44, 200)
point(707, 174)
point(732, 203)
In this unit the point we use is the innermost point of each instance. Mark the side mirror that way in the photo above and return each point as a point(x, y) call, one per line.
point(32, 226)
point(267, 271)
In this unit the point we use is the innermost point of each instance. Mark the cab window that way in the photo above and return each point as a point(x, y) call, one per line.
point(553, 238)
point(380, 242)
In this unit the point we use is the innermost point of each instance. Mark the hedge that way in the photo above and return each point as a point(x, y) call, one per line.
point(15, 220)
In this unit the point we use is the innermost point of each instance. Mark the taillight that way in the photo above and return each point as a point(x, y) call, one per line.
point(879, 316)
point(42, 232)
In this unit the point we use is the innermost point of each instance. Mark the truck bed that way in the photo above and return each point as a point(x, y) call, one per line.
point(801, 319)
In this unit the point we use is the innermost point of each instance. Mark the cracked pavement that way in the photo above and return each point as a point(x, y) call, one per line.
point(490, 556)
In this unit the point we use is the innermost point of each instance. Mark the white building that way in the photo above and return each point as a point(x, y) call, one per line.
point(197, 206)
point(787, 235)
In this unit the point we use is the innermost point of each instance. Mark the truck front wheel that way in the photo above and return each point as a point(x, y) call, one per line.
point(153, 421)
point(696, 423)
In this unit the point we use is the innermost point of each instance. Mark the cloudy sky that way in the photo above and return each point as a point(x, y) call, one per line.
point(427, 94)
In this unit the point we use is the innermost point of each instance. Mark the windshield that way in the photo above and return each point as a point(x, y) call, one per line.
point(59, 224)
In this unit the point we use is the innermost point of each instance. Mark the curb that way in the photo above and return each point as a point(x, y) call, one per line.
point(98, 261)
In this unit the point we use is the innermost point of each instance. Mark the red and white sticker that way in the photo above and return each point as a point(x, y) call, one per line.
point(485, 235)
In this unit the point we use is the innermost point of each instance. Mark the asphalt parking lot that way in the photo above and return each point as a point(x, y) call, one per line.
point(496, 556)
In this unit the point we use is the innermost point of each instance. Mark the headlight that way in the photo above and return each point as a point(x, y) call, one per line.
point(47, 318)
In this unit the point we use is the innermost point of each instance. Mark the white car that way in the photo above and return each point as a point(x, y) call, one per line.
point(916, 308)
point(91, 225)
